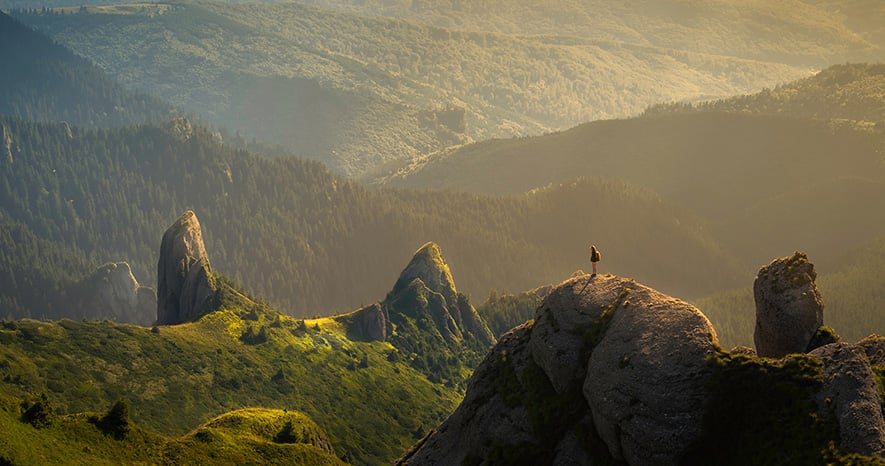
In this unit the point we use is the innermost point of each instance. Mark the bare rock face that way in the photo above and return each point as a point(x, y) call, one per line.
point(184, 284)
point(789, 308)
point(112, 292)
point(561, 343)
point(647, 376)
point(849, 390)
point(874, 347)
point(430, 266)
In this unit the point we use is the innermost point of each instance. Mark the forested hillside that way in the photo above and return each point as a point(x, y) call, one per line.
point(767, 181)
point(44, 81)
point(315, 243)
point(355, 91)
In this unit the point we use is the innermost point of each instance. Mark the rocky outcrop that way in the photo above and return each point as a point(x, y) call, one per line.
point(424, 292)
point(612, 371)
point(789, 308)
point(849, 391)
point(370, 323)
point(184, 278)
point(113, 293)
point(607, 361)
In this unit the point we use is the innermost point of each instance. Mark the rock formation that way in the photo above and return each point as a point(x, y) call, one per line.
point(606, 361)
point(611, 370)
point(370, 323)
point(112, 292)
point(789, 308)
point(184, 278)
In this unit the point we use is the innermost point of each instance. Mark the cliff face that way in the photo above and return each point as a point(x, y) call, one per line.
point(184, 278)
point(611, 370)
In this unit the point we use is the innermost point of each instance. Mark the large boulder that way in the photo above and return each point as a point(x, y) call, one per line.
point(789, 307)
point(370, 323)
point(647, 377)
point(849, 390)
point(184, 278)
point(641, 359)
point(561, 338)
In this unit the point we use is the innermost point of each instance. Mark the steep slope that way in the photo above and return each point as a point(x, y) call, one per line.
point(294, 232)
point(379, 89)
point(45, 81)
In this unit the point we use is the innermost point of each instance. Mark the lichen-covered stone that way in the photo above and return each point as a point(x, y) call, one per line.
point(789, 307)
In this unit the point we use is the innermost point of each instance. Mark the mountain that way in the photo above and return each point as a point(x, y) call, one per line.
point(240, 352)
point(783, 160)
point(47, 82)
point(613, 372)
point(294, 232)
point(381, 89)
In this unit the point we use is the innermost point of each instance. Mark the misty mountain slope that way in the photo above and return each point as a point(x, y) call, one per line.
point(294, 232)
point(816, 32)
point(396, 77)
point(850, 91)
point(45, 81)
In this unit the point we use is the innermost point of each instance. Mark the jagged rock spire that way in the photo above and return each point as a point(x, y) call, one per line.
point(184, 278)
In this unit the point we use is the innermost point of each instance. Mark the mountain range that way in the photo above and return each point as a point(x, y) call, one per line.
point(358, 86)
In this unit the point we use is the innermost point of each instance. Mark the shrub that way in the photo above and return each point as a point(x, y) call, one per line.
point(39, 414)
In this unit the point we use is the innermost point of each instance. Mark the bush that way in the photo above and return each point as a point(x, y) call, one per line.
point(116, 421)
point(39, 414)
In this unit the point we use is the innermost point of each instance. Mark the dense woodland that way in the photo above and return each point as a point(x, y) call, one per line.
point(315, 243)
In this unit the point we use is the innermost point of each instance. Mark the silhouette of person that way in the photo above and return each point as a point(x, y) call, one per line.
point(595, 257)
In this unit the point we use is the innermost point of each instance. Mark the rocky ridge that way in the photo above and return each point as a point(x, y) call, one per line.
point(613, 371)
point(184, 277)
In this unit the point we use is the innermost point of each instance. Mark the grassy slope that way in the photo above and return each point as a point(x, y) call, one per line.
point(377, 77)
point(203, 369)
point(73, 439)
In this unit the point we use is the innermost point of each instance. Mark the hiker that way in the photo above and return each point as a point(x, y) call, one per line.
point(595, 256)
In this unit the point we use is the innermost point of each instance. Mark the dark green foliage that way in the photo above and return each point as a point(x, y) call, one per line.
point(287, 435)
point(39, 413)
point(763, 411)
point(254, 337)
point(506, 311)
point(116, 421)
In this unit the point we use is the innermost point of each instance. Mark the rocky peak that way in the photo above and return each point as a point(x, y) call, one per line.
point(789, 307)
point(184, 278)
point(430, 266)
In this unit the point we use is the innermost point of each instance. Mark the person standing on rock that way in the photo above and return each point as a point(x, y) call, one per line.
point(595, 257)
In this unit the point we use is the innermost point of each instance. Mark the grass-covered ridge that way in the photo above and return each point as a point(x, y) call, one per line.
point(246, 436)
point(176, 377)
